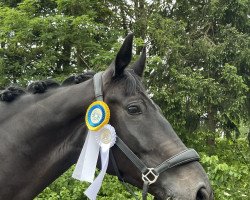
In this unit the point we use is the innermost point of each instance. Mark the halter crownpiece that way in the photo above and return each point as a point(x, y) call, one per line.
point(102, 137)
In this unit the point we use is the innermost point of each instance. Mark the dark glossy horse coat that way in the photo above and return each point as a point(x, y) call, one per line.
point(41, 135)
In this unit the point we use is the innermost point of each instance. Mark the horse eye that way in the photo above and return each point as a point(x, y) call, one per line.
point(134, 110)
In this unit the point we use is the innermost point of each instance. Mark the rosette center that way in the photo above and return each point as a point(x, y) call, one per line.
point(106, 136)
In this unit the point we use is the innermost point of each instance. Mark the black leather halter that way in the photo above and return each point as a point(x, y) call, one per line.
point(149, 175)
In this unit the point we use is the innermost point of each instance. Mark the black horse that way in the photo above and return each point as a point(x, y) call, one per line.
point(42, 135)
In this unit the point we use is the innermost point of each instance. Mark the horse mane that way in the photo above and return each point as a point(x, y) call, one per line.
point(15, 91)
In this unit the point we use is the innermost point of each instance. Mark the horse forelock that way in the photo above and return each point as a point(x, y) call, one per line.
point(130, 81)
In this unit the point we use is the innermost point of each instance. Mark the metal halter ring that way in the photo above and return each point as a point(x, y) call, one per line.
point(150, 176)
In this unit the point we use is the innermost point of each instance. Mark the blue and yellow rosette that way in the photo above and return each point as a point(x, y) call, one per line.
point(97, 116)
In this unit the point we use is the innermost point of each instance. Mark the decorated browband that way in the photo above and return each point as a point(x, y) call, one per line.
point(100, 138)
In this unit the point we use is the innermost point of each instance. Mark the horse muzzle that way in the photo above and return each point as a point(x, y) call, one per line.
point(186, 182)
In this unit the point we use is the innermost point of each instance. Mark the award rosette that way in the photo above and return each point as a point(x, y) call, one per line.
point(98, 115)
point(100, 138)
point(106, 137)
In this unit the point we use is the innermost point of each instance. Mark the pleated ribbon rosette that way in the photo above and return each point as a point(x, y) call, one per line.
point(100, 138)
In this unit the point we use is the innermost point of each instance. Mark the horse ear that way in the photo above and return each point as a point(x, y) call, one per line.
point(140, 64)
point(124, 55)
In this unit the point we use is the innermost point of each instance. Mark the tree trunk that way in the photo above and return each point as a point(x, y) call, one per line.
point(80, 62)
point(124, 19)
point(211, 124)
point(211, 121)
point(64, 60)
point(140, 13)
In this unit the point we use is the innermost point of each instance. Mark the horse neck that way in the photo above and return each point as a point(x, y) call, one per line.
point(45, 141)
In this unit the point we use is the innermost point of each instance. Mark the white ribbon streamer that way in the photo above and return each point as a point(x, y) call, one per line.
point(86, 164)
point(94, 188)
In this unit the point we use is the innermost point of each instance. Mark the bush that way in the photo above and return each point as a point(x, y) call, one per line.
point(67, 188)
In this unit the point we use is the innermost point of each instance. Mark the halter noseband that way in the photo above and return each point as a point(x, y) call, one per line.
point(149, 175)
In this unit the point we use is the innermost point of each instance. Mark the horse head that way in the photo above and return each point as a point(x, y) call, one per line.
point(140, 123)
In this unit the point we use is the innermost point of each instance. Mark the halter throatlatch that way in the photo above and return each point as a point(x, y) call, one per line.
point(149, 175)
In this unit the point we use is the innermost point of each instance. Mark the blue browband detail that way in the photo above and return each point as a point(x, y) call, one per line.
point(90, 112)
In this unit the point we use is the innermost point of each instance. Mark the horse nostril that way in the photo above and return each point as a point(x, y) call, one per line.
point(202, 194)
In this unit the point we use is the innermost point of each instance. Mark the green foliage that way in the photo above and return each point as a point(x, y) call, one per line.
point(229, 169)
point(66, 188)
point(43, 42)
point(226, 163)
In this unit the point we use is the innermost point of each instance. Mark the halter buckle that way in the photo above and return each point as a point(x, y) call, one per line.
point(150, 176)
